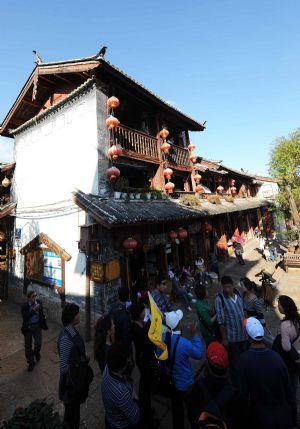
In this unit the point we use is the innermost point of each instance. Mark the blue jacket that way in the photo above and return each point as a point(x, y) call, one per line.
point(182, 369)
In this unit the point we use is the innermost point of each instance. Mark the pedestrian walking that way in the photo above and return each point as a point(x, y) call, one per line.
point(34, 321)
point(287, 343)
point(119, 400)
point(206, 315)
point(179, 291)
point(230, 315)
point(238, 250)
point(121, 317)
point(159, 295)
point(75, 372)
point(145, 360)
point(264, 383)
point(103, 339)
point(252, 305)
point(179, 368)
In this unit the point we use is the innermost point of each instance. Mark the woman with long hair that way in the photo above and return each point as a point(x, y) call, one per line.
point(252, 304)
point(104, 338)
point(290, 336)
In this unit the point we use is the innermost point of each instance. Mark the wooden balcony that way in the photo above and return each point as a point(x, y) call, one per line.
point(141, 146)
point(137, 144)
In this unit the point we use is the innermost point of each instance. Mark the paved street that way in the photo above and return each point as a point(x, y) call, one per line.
point(18, 387)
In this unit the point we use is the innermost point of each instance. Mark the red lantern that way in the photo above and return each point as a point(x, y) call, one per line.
point(207, 227)
point(165, 147)
point(173, 235)
point(168, 173)
point(112, 122)
point(191, 147)
point(129, 244)
point(193, 158)
point(163, 134)
point(199, 189)
point(232, 182)
point(219, 179)
point(220, 189)
point(114, 152)
point(233, 190)
point(113, 102)
point(182, 233)
point(113, 173)
point(169, 187)
point(197, 178)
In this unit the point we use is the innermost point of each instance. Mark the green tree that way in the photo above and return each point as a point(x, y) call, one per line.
point(285, 166)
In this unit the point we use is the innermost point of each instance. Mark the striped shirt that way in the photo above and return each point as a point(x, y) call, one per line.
point(161, 301)
point(254, 308)
point(121, 410)
point(230, 313)
point(65, 345)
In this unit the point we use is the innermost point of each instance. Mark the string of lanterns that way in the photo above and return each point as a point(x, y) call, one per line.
point(167, 172)
point(115, 150)
point(232, 187)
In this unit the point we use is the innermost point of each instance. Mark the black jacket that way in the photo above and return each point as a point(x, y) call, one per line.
point(122, 321)
point(27, 312)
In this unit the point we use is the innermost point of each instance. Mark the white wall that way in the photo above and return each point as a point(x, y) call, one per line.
point(268, 190)
point(53, 158)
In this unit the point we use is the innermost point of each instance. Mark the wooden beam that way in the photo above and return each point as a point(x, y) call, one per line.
point(46, 79)
point(68, 68)
point(32, 103)
point(69, 82)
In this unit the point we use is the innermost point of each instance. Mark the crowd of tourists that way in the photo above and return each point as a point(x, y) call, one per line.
point(244, 378)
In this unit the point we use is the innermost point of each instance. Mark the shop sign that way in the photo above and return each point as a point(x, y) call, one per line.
point(97, 272)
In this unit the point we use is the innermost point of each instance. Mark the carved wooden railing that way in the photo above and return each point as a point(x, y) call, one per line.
point(137, 142)
point(178, 156)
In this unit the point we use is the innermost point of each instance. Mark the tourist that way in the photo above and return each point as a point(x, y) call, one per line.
point(252, 305)
point(120, 404)
point(230, 315)
point(33, 322)
point(290, 337)
point(214, 265)
point(160, 296)
point(180, 291)
point(206, 315)
point(75, 373)
point(199, 264)
point(215, 394)
point(145, 360)
point(121, 317)
point(103, 339)
point(181, 350)
point(264, 383)
point(262, 243)
point(238, 250)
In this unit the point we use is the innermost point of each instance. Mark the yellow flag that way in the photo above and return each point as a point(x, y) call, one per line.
point(156, 329)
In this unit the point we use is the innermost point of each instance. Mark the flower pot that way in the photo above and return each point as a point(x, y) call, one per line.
point(131, 196)
point(148, 195)
point(154, 197)
point(117, 195)
point(124, 195)
point(138, 196)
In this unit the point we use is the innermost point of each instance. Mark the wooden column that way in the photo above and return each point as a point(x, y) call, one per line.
point(260, 221)
point(146, 267)
point(127, 271)
point(88, 294)
point(175, 255)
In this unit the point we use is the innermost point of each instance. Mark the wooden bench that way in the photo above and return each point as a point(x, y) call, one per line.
point(291, 260)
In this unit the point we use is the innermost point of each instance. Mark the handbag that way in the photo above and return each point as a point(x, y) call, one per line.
point(291, 357)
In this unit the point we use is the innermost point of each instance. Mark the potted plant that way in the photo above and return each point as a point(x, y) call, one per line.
point(119, 187)
point(130, 192)
point(137, 194)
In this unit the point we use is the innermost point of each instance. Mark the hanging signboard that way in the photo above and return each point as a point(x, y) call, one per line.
point(97, 272)
point(44, 266)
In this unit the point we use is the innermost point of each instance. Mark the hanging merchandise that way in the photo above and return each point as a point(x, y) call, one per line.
point(220, 189)
point(233, 190)
point(199, 189)
point(165, 147)
point(163, 134)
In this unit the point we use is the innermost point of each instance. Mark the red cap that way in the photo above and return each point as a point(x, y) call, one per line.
point(217, 355)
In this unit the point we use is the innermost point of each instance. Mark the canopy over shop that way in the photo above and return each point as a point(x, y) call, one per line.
point(148, 236)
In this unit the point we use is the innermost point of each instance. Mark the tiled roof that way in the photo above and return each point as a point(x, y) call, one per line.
point(110, 212)
point(7, 209)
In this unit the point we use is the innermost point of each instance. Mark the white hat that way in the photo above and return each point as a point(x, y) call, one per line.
point(255, 329)
point(173, 318)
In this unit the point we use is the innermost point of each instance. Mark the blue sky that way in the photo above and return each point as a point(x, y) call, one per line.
point(233, 63)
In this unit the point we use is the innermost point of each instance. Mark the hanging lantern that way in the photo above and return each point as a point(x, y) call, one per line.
point(233, 190)
point(2, 236)
point(197, 178)
point(168, 173)
point(207, 227)
point(193, 159)
point(113, 173)
point(5, 182)
point(191, 147)
point(163, 134)
point(114, 152)
point(165, 147)
point(129, 244)
point(220, 189)
point(169, 187)
point(199, 189)
point(232, 182)
point(113, 102)
point(182, 233)
point(219, 179)
point(112, 122)
point(173, 235)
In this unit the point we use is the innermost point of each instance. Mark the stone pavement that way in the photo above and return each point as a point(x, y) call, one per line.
point(18, 387)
